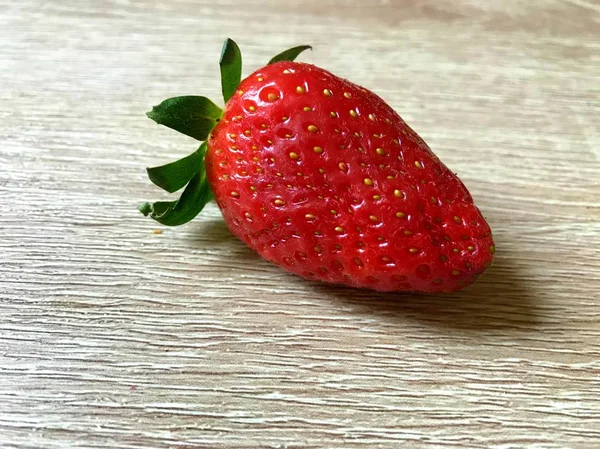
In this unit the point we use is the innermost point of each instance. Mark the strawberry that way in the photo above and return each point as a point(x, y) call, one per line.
point(323, 178)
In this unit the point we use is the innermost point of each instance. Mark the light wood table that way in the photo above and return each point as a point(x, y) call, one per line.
point(112, 336)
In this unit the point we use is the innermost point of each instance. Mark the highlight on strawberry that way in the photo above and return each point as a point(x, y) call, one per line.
point(323, 178)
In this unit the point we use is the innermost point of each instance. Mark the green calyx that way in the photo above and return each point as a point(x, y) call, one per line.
point(195, 116)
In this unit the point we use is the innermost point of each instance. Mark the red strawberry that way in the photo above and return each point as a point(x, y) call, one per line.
point(323, 178)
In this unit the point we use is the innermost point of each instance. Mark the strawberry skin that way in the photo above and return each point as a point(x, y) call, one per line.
point(323, 178)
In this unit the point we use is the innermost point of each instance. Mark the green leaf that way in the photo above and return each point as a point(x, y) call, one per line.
point(191, 202)
point(231, 68)
point(191, 115)
point(289, 55)
point(172, 177)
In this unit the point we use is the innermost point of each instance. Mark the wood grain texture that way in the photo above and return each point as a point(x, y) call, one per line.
point(114, 337)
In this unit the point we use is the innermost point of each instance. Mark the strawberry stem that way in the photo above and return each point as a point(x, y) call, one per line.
point(195, 116)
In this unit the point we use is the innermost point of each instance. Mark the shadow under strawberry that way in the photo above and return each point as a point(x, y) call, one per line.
point(498, 301)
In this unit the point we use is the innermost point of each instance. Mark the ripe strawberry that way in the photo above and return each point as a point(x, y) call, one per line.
point(323, 178)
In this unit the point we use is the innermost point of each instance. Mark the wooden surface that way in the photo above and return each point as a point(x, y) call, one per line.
point(112, 336)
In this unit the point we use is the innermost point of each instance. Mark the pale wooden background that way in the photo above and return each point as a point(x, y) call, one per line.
point(114, 337)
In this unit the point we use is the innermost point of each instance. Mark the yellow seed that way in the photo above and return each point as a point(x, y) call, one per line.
point(251, 108)
point(287, 72)
point(333, 211)
point(333, 114)
point(360, 150)
point(396, 141)
point(371, 117)
point(318, 149)
point(284, 118)
point(368, 182)
point(470, 248)
point(312, 128)
point(376, 197)
point(455, 250)
point(316, 233)
point(455, 272)
point(259, 170)
point(263, 126)
point(343, 166)
point(259, 79)
point(457, 220)
point(247, 215)
point(380, 151)
point(388, 121)
point(240, 92)
point(357, 134)
point(398, 193)
point(307, 109)
point(157, 231)
point(377, 136)
point(373, 218)
point(418, 164)
point(288, 136)
point(327, 92)
point(235, 194)
point(380, 239)
point(247, 132)
point(407, 232)
point(385, 259)
point(389, 177)
point(318, 249)
point(309, 216)
point(353, 113)
point(300, 90)
point(253, 188)
point(492, 249)
point(279, 174)
point(339, 229)
point(272, 97)
point(413, 250)
point(279, 202)
point(321, 171)
point(346, 94)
